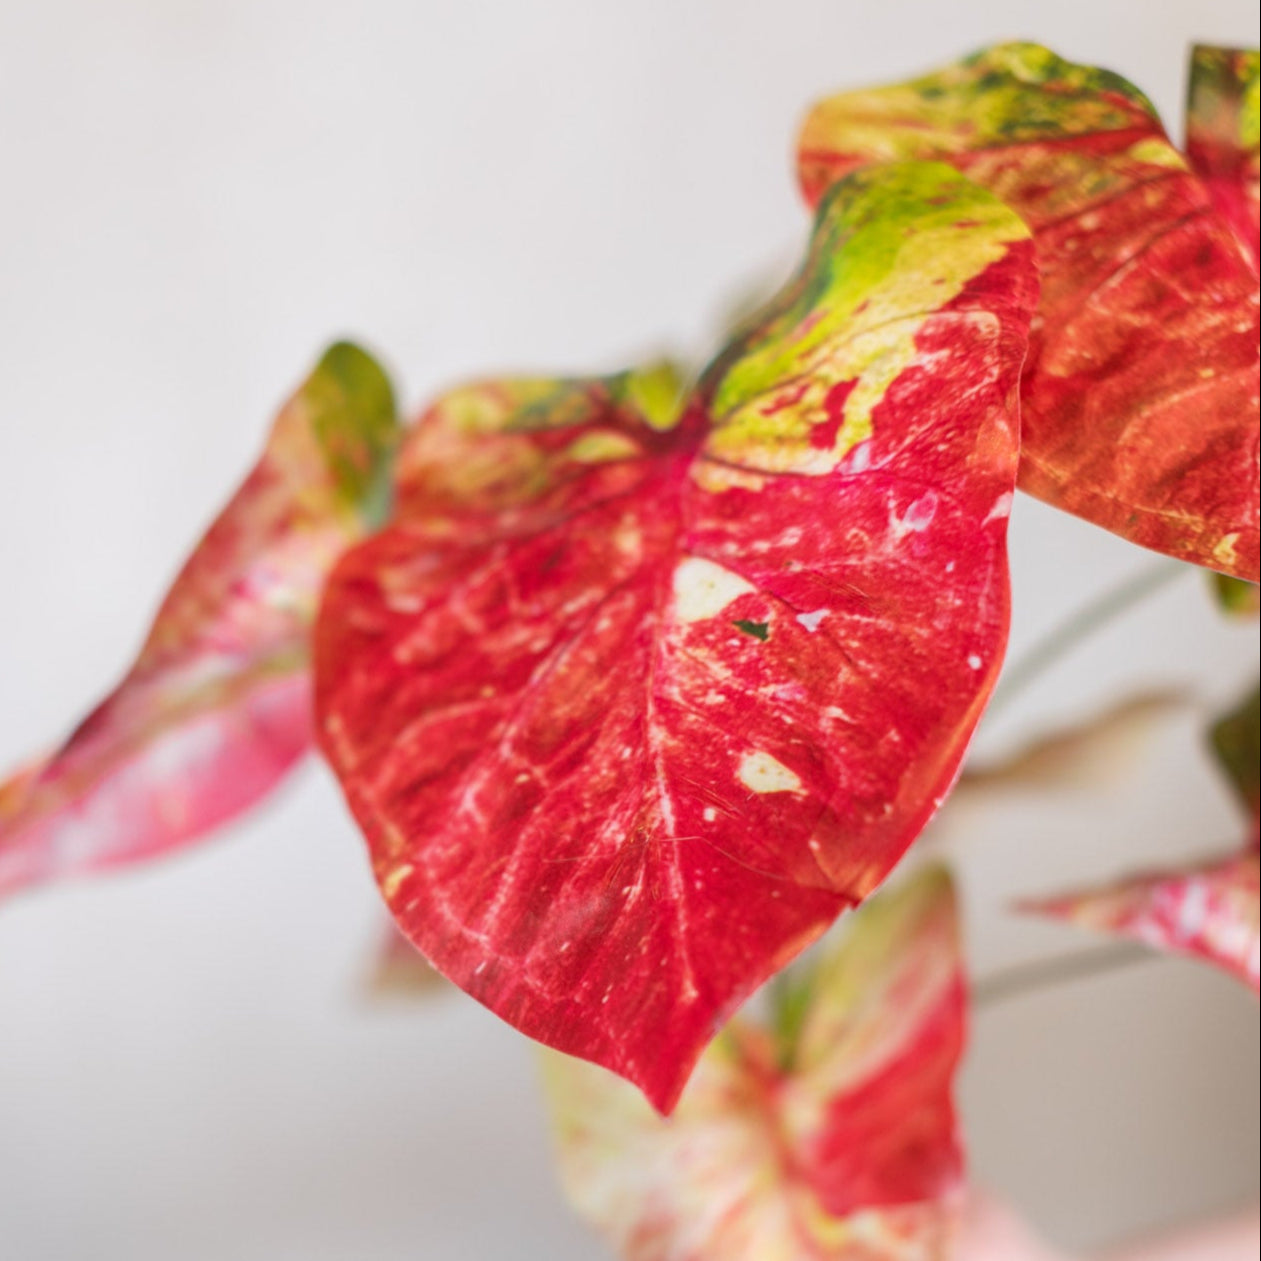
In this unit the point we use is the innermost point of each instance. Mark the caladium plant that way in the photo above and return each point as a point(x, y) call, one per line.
point(1139, 400)
point(641, 682)
point(619, 672)
point(827, 1132)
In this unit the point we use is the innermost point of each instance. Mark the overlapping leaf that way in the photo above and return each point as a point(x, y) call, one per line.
point(1140, 395)
point(636, 695)
point(217, 706)
point(1224, 134)
point(1212, 911)
point(832, 1137)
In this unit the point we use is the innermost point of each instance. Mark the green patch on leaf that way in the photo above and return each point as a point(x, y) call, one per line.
point(759, 630)
point(1237, 742)
point(354, 418)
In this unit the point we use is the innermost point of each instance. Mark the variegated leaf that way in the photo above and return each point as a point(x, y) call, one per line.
point(1224, 133)
point(638, 693)
point(1140, 398)
point(831, 1137)
point(217, 706)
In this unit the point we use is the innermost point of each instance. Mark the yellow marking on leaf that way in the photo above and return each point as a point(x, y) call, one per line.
point(890, 249)
point(1158, 153)
point(600, 447)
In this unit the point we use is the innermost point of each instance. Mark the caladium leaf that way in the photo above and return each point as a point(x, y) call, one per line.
point(1224, 134)
point(1236, 597)
point(218, 704)
point(1092, 752)
point(1236, 739)
point(1213, 910)
point(838, 1141)
point(1209, 911)
point(1140, 394)
point(636, 694)
point(400, 969)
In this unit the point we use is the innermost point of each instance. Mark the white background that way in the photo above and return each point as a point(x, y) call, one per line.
point(194, 198)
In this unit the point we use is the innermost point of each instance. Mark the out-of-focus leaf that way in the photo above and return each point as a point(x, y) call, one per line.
point(632, 703)
point(217, 706)
point(1224, 133)
point(840, 1147)
point(1211, 910)
point(1236, 740)
point(1140, 394)
point(1093, 751)
point(400, 969)
point(1242, 599)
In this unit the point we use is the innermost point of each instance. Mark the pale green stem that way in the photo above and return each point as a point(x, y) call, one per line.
point(1063, 639)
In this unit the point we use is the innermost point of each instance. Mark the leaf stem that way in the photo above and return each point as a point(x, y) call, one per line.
point(1028, 978)
point(1063, 639)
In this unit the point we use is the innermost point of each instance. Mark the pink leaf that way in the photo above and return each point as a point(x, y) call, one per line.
point(217, 706)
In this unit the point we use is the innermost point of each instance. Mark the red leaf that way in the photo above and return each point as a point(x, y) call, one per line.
point(833, 1138)
point(631, 704)
point(1140, 395)
point(1223, 133)
point(217, 706)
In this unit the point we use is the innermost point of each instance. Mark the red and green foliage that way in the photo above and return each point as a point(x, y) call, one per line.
point(633, 698)
point(1139, 400)
point(639, 685)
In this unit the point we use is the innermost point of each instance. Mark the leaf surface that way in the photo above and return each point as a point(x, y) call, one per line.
point(1224, 134)
point(839, 1144)
point(217, 705)
point(1139, 400)
point(637, 693)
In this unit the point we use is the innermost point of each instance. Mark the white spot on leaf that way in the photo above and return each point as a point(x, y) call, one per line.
point(811, 620)
point(1001, 509)
point(761, 773)
point(703, 589)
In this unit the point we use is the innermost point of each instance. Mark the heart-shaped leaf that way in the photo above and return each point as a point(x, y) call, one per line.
point(832, 1136)
point(635, 696)
point(1224, 134)
point(217, 706)
point(1140, 395)
point(1212, 910)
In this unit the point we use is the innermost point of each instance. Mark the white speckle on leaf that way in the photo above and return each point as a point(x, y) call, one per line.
point(974, 661)
point(1001, 509)
point(761, 773)
point(710, 814)
point(811, 620)
point(396, 876)
point(859, 460)
point(919, 515)
point(703, 589)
